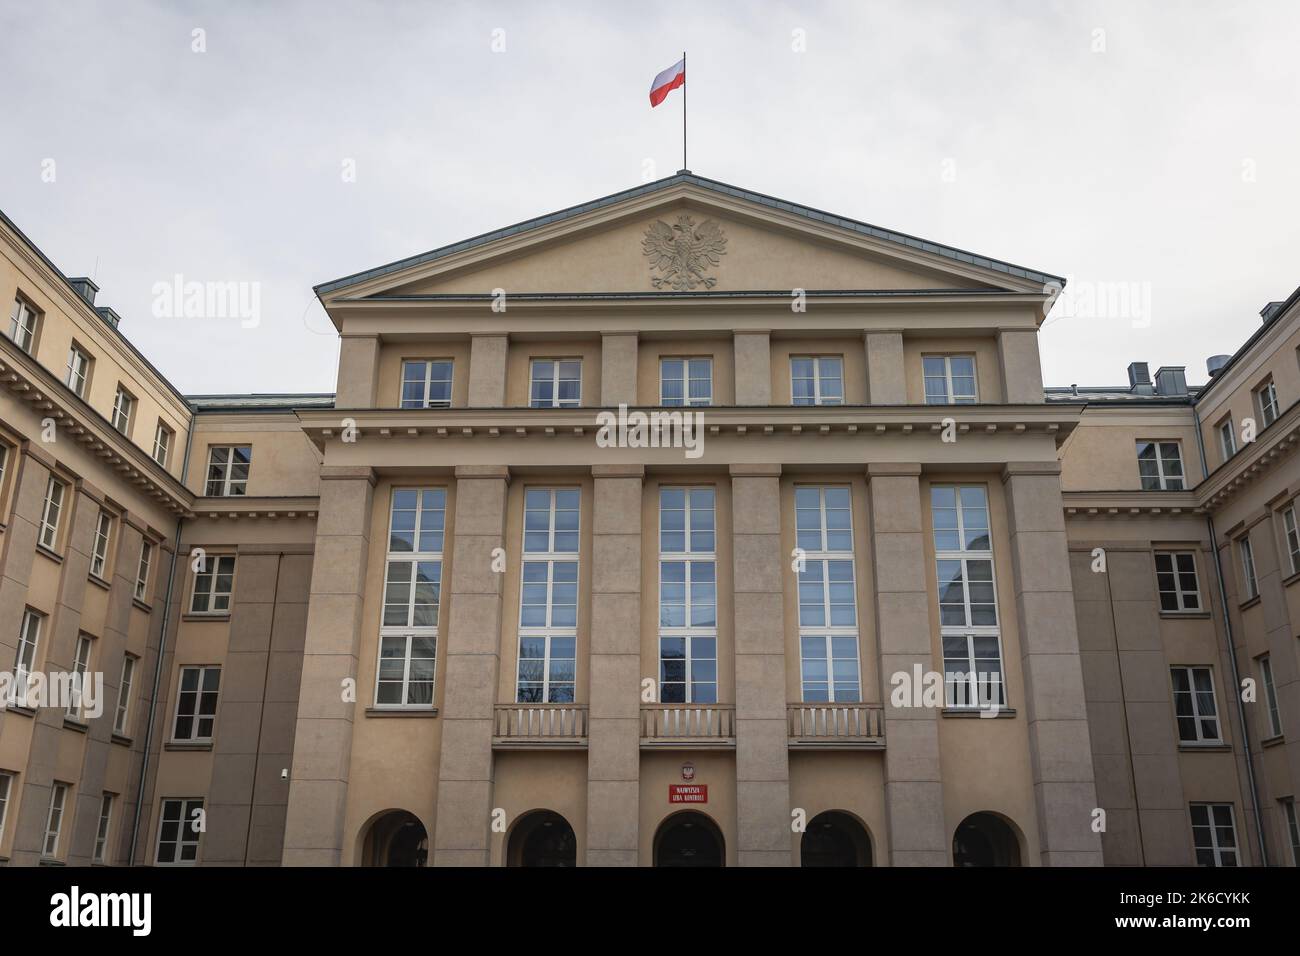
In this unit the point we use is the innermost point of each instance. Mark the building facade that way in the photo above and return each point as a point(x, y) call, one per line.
point(686, 527)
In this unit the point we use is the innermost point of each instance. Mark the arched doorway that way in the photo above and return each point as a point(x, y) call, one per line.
point(689, 839)
point(542, 838)
point(834, 838)
point(395, 838)
point(985, 839)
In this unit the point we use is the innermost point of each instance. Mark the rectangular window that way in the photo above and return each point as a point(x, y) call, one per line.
point(1292, 533)
point(180, 827)
point(22, 325)
point(29, 641)
point(142, 572)
point(121, 716)
point(213, 585)
point(968, 613)
point(1194, 707)
point(51, 511)
point(1227, 438)
point(162, 444)
point(1214, 834)
point(78, 371)
point(196, 703)
point(688, 599)
point(228, 467)
point(426, 384)
point(1176, 581)
point(54, 820)
point(686, 381)
point(6, 788)
point(556, 383)
point(1270, 696)
point(123, 409)
point(1266, 400)
point(828, 617)
point(80, 674)
point(548, 599)
point(1288, 806)
point(408, 641)
point(1249, 581)
point(1160, 465)
point(99, 551)
point(949, 379)
point(816, 380)
point(101, 832)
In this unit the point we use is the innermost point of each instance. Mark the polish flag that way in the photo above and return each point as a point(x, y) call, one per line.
point(667, 81)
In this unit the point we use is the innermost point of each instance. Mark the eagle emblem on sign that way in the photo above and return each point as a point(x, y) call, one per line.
point(682, 252)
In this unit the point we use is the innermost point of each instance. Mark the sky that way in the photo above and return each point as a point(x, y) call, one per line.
point(1147, 151)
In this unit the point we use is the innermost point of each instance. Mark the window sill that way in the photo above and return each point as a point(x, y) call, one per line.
point(978, 712)
point(46, 861)
point(1187, 746)
point(1273, 741)
point(401, 711)
point(147, 608)
point(1286, 582)
point(96, 580)
point(52, 555)
point(1249, 603)
point(1186, 615)
point(221, 616)
point(187, 745)
point(72, 723)
point(121, 740)
point(18, 709)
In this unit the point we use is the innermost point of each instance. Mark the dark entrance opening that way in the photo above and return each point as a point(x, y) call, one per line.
point(985, 839)
point(396, 838)
point(542, 838)
point(689, 839)
point(835, 839)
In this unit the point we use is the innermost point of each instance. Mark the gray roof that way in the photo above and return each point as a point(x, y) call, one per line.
point(261, 402)
point(713, 185)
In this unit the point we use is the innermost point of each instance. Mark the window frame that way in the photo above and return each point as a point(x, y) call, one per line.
point(143, 568)
point(1179, 593)
point(1227, 438)
point(78, 377)
point(54, 827)
point(950, 395)
point(549, 632)
point(85, 647)
point(124, 406)
point(226, 484)
point(1246, 552)
point(1266, 403)
point(211, 594)
point(1289, 820)
point(22, 307)
point(409, 632)
point(162, 441)
point(1291, 536)
point(7, 778)
point(686, 401)
point(99, 551)
point(49, 529)
point(198, 714)
point(1192, 694)
point(29, 647)
point(1213, 825)
point(817, 376)
point(125, 685)
point(1162, 478)
point(185, 824)
point(1271, 707)
point(427, 382)
point(102, 829)
point(555, 380)
point(825, 555)
point(688, 631)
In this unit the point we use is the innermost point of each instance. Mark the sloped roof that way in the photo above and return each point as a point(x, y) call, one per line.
point(684, 177)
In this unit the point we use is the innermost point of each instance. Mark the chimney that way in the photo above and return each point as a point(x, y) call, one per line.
point(86, 288)
point(1171, 380)
point(1270, 310)
point(1139, 379)
point(1215, 363)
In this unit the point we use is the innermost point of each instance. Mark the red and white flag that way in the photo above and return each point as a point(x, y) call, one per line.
point(667, 81)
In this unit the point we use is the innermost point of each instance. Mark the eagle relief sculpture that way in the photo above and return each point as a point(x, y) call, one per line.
point(682, 252)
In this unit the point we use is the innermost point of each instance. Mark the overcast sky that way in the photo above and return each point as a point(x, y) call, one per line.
point(1152, 145)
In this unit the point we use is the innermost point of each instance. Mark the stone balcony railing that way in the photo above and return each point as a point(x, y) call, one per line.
point(693, 726)
point(836, 726)
point(540, 726)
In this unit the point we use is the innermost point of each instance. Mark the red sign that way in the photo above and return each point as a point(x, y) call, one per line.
point(691, 793)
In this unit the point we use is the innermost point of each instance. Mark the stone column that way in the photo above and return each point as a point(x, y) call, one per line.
point(358, 379)
point(1022, 375)
point(753, 356)
point(470, 667)
point(1055, 708)
point(487, 370)
point(762, 742)
point(318, 788)
point(614, 735)
point(19, 548)
point(913, 781)
point(886, 373)
point(618, 363)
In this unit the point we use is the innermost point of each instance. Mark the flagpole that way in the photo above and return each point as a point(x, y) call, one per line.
point(684, 110)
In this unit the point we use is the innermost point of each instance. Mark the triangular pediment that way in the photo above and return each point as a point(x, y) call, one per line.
point(686, 235)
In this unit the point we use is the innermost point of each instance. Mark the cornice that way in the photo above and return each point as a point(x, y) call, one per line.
point(1130, 504)
point(259, 507)
point(1270, 448)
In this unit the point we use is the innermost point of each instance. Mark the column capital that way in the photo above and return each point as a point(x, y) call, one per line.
point(755, 471)
point(1013, 468)
point(893, 469)
point(39, 455)
point(347, 472)
point(618, 471)
point(482, 471)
